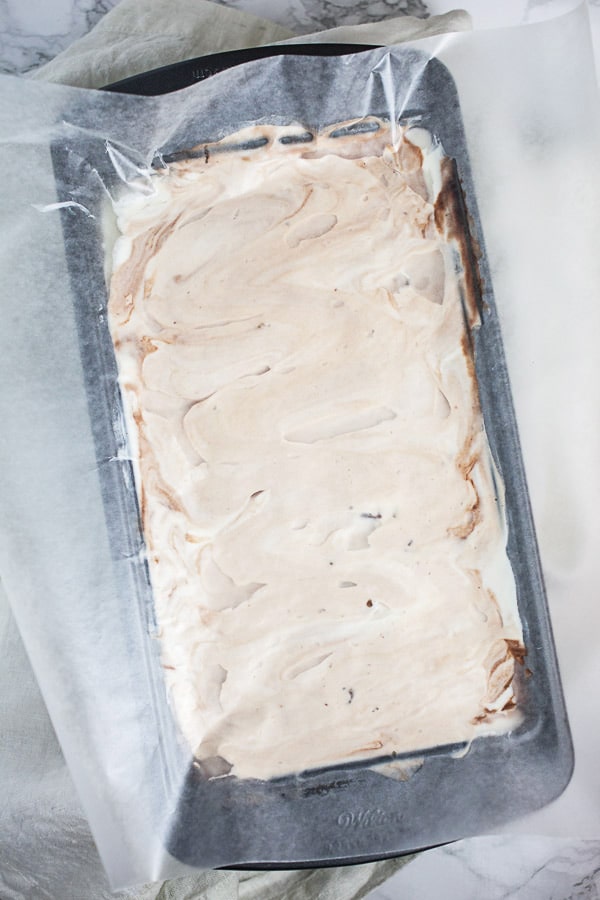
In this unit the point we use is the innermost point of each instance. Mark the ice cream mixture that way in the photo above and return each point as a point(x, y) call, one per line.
point(324, 533)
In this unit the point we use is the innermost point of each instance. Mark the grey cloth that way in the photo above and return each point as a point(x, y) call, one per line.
point(46, 849)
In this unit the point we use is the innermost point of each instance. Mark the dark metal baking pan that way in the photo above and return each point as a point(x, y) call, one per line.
point(182, 74)
point(342, 814)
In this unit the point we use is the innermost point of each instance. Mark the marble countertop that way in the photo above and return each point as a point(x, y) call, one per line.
point(486, 868)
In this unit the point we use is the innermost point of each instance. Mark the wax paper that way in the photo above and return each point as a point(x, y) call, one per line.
point(532, 153)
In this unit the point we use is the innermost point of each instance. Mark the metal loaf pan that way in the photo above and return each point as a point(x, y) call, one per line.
point(346, 814)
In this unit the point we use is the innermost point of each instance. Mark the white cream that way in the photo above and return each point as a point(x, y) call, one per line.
point(326, 552)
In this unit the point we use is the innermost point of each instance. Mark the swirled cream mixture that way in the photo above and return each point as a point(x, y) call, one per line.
point(325, 540)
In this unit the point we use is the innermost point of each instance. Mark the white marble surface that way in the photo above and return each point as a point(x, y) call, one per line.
point(486, 868)
point(33, 32)
point(497, 868)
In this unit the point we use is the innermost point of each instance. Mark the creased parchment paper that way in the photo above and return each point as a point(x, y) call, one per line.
point(533, 153)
